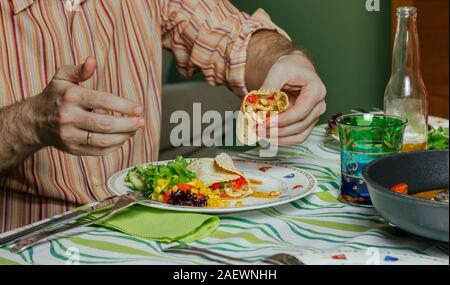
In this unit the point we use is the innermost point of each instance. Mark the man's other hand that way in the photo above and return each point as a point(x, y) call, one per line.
point(64, 114)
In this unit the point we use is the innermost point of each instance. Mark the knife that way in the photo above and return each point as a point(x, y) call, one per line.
point(119, 203)
point(66, 217)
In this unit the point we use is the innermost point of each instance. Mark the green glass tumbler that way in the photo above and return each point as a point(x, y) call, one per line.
point(363, 139)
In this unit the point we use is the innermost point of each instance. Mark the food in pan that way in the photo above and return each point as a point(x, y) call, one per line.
point(440, 195)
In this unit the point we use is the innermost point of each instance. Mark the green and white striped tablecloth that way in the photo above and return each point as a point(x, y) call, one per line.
point(315, 228)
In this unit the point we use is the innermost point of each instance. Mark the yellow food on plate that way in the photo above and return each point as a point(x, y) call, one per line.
point(255, 181)
point(205, 182)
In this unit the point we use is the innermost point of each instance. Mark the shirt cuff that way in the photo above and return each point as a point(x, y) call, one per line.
point(260, 20)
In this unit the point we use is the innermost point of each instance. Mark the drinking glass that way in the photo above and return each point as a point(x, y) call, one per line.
point(363, 139)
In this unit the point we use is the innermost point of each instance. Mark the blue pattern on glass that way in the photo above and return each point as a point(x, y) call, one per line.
point(352, 165)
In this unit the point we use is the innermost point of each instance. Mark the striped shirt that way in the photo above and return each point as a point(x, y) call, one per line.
point(127, 38)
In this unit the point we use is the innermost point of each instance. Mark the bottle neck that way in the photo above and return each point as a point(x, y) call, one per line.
point(406, 56)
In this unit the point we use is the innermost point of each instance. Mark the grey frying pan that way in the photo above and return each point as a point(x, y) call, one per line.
point(424, 170)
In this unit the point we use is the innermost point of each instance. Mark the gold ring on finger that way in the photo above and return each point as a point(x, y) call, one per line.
point(89, 138)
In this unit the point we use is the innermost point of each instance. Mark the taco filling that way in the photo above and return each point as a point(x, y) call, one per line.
point(231, 190)
point(265, 101)
point(221, 177)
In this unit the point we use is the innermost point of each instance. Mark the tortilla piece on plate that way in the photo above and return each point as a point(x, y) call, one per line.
point(225, 161)
point(209, 172)
point(220, 175)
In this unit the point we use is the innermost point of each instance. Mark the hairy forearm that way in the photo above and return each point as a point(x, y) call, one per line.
point(17, 133)
point(264, 49)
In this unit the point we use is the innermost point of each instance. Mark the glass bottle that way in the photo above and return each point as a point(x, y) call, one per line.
point(406, 95)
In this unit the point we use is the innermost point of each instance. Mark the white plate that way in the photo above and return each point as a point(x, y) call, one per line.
point(437, 122)
point(292, 182)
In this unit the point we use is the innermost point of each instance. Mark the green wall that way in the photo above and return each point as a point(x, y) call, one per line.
point(350, 46)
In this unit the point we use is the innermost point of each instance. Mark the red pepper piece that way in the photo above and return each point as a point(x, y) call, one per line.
point(215, 186)
point(235, 185)
point(271, 98)
point(184, 187)
point(253, 99)
point(167, 196)
point(242, 180)
point(400, 188)
point(238, 183)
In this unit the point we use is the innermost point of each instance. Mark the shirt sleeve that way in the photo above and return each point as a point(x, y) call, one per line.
point(211, 35)
point(6, 93)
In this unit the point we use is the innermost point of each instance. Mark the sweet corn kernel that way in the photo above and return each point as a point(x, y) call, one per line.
point(162, 182)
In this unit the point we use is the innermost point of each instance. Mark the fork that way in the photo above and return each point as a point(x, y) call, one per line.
point(124, 202)
point(64, 218)
point(277, 259)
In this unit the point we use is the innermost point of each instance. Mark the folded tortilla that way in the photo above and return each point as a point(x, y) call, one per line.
point(217, 170)
point(265, 101)
point(256, 108)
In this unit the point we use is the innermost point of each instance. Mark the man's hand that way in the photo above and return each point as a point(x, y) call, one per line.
point(64, 114)
point(62, 117)
point(275, 63)
point(296, 75)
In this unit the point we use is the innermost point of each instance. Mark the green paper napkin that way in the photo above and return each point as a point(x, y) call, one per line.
point(159, 225)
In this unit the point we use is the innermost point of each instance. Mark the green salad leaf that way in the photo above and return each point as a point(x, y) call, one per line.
point(175, 171)
point(438, 138)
